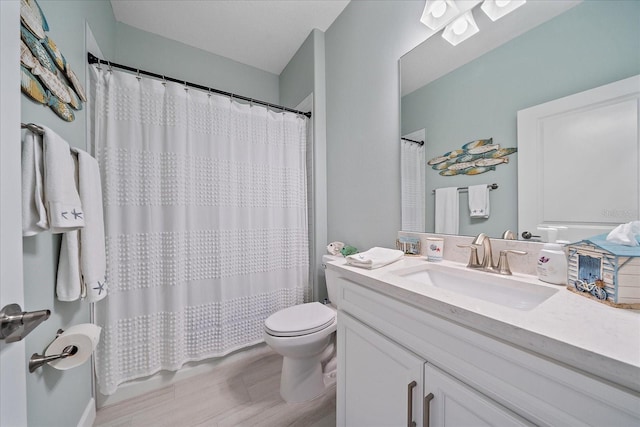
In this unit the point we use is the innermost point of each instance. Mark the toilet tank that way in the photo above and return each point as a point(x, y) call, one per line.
point(329, 278)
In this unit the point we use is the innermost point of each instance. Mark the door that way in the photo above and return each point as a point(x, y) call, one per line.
point(579, 161)
point(380, 382)
point(13, 407)
point(454, 403)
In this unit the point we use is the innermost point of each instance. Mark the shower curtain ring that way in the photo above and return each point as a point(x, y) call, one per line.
point(209, 92)
point(110, 69)
point(186, 88)
point(164, 81)
point(138, 75)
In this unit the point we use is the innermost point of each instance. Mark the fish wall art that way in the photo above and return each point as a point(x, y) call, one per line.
point(46, 76)
point(473, 158)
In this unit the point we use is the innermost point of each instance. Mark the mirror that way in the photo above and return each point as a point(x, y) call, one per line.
point(540, 52)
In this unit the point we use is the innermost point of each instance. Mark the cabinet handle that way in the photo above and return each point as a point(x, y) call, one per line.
point(425, 409)
point(410, 388)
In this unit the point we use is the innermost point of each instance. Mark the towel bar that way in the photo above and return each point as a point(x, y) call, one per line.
point(493, 186)
point(32, 127)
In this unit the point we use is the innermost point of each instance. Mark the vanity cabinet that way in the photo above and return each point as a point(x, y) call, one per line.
point(384, 384)
point(382, 381)
point(392, 354)
point(452, 403)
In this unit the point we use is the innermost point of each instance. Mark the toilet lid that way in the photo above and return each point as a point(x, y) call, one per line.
point(299, 320)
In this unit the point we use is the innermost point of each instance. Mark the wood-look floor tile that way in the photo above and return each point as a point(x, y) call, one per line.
point(243, 393)
point(296, 414)
point(267, 388)
point(193, 406)
point(126, 409)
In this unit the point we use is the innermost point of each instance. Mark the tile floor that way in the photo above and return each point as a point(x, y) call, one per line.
point(242, 393)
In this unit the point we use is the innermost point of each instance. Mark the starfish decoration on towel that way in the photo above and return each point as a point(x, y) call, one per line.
point(76, 215)
point(99, 288)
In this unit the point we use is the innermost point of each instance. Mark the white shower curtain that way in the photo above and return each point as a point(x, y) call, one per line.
point(205, 222)
point(412, 176)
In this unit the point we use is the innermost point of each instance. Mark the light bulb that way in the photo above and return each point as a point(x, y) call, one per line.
point(439, 8)
point(460, 26)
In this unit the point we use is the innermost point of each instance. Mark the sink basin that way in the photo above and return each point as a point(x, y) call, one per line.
point(506, 291)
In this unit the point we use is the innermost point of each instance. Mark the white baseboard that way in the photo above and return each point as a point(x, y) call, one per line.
point(162, 379)
point(89, 414)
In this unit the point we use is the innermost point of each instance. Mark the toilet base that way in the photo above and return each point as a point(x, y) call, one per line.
point(302, 379)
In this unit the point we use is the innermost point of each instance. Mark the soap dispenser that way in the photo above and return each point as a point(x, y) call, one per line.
point(552, 261)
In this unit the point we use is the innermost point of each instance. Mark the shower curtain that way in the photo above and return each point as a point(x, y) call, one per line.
point(412, 181)
point(205, 220)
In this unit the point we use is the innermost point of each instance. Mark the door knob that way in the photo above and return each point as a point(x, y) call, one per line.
point(16, 324)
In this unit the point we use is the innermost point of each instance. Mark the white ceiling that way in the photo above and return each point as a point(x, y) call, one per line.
point(435, 57)
point(262, 33)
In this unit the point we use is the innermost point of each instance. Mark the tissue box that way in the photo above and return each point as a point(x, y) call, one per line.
point(605, 272)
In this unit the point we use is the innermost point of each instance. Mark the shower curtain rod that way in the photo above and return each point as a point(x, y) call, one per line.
point(411, 140)
point(95, 60)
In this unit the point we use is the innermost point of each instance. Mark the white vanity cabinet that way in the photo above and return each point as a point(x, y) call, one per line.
point(382, 381)
point(449, 403)
point(385, 384)
point(392, 353)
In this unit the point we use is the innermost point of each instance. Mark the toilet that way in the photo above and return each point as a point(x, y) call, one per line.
point(305, 336)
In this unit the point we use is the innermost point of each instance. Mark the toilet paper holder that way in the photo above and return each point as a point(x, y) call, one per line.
point(38, 360)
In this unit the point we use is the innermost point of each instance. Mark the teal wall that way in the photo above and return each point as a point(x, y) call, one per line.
point(303, 75)
point(592, 44)
point(297, 79)
point(59, 398)
point(151, 52)
point(363, 47)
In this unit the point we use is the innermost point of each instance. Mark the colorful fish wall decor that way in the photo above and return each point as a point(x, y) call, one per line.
point(473, 158)
point(47, 77)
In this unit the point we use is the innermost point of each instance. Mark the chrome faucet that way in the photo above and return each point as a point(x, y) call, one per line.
point(482, 240)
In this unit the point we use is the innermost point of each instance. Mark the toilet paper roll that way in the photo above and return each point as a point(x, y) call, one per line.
point(84, 336)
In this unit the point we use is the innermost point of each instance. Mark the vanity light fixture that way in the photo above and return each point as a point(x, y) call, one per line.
point(496, 9)
point(438, 13)
point(460, 29)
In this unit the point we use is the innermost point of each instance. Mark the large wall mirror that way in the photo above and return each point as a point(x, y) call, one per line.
point(543, 51)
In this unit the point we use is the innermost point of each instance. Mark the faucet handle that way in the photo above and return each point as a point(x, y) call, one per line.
point(474, 262)
point(503, 262)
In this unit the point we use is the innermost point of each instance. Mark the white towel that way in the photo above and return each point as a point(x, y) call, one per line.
point(34, 214)
point(479, 206)
point(63, 204)
point(374, 258)
point(69, 278)
point(82, 264)
point(447, 215)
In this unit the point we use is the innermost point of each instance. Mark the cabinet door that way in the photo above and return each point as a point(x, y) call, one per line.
point(379, 382)
point(449, 402)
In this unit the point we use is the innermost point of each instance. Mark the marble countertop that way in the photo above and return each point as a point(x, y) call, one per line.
point(569, 328)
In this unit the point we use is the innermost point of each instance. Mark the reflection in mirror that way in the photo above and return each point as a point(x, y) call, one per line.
point(473, 91)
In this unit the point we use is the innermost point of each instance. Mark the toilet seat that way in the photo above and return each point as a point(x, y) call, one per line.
point(299, 320)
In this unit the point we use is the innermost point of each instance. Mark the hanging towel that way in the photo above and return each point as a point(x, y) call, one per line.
point(374, 258)
point(479, 206)
point(63, 204)
point(34, 214)
point(82, 264)
point(447, 211)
